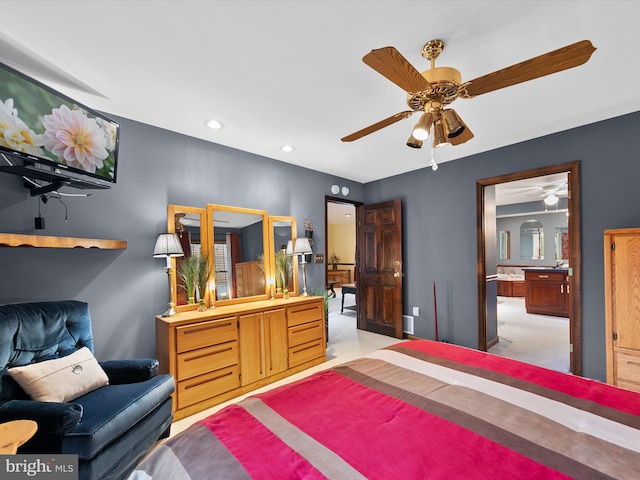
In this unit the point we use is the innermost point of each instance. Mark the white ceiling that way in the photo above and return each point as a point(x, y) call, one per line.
point(285, 72)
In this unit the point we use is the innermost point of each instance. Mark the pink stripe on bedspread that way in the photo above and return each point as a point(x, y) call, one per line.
point(383, 440)
point(261, 453)
point(578, 387)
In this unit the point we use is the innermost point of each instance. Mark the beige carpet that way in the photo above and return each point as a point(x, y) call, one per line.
point(538, 339)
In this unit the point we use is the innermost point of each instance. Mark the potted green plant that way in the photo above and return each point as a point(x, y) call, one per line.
point(204, 271)
point(188, 274)
point(284, 271)
point(195, 272)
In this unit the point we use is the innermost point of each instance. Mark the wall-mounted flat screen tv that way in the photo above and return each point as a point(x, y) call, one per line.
point(41, 125)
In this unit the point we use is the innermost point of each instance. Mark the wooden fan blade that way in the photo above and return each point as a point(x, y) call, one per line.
point(552, 62)
point(390, 63)
point(465, 136)
point(377, 126)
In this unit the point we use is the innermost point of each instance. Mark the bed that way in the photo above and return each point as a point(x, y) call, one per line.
point(416, 410)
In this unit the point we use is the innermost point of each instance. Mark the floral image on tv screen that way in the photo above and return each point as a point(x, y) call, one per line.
point(36, 121)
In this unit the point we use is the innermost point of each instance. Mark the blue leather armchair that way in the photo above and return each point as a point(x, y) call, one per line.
point(111, 428)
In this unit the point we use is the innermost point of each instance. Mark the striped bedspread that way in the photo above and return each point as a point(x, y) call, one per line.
point(416, 410)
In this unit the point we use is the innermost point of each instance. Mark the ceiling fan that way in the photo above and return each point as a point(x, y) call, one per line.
point(551, 193)
point(432, 90)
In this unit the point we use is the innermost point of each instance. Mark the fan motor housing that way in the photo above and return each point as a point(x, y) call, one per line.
point(442, 74)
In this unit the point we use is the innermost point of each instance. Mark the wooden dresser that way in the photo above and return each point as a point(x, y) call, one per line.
point(224, 352)
point(340, 276)
point(622, 306)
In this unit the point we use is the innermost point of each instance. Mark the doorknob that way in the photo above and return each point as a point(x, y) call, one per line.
point(397, 268)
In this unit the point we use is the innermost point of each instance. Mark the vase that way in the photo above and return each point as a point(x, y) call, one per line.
point(192, 300)
point(335, 266)
point(202, 306)
point(285, 294)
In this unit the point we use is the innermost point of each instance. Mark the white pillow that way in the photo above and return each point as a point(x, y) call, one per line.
point(62, 379)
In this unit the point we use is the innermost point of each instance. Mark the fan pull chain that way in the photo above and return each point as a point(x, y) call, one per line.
point(434, 165)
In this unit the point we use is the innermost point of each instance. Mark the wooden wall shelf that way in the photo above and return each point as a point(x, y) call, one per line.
point(42, 241)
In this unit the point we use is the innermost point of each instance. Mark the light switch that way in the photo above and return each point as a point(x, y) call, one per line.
point(416, 311)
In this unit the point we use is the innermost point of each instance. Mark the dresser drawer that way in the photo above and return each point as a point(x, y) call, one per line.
point(304, 333)
point(207, 359)
point(299, 314)
point(305, 352)
point(206, 333)
point(206, 386)
point(546, 276)
point(628, 367)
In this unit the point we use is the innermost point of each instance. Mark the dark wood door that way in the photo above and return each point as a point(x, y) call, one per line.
point(379, 268)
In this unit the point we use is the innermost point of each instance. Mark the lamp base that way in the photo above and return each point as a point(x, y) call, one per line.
point(171, 311)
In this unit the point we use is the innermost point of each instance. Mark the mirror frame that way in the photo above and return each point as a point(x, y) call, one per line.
point(272, 250)
point(268, 259)
point(204, 243)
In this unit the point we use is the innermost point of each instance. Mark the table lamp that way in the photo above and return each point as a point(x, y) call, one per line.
point(303, 247)
point(168, 246)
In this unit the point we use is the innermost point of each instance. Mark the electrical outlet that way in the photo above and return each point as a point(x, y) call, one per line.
point(416, 311)
point(319, 258)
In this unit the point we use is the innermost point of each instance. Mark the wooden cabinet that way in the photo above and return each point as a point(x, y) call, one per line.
point(263, 337)
point(224, 352)
point(340, 276)
point(622, 306)
point(511, 288)
point(547, 291)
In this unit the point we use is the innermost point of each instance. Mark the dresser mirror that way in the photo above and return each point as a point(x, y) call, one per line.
point(282, 230)
point(239, 239)
point(532, 240)
point(189, 223)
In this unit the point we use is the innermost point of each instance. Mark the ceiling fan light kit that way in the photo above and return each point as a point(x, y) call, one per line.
point(421, 130)
point(413, 142)
point(432, 90)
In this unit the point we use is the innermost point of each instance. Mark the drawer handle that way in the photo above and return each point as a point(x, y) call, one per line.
point(299, 330)
point(193, 385)
point(629, 362)
point(304, 309)
point(306, 348)
point(208, 327)
point(198, 357)
point(543, 276)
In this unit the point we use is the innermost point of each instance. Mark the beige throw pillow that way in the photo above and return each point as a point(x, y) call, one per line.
point(62, 379)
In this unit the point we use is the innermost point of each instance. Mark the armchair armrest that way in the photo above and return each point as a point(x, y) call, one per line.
point(130, 370)
point(51, 417)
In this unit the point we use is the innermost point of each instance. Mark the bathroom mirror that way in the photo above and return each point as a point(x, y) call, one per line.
point(504, 245)
point(532, 240)
point(239, 240)
point(561, 243)
point(189, 223)
point(282, 230)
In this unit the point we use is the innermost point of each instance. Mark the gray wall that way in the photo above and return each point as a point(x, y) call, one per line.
point(550, 222)
point(126, 289)
point(440, 224)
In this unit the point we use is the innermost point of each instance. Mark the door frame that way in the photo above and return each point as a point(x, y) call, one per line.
point(329, 199)
point(575, 254)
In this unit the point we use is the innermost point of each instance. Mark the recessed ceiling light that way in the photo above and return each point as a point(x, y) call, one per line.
point(214, 124)
point(287, 148)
